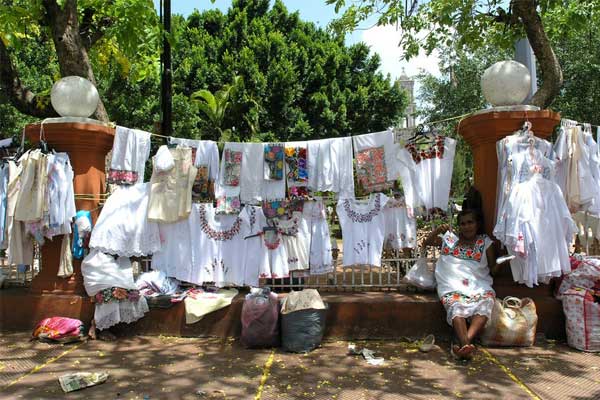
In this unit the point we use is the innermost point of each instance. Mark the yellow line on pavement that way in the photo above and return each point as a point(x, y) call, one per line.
point(39, 367)
point(512, 376)
point(265, 375)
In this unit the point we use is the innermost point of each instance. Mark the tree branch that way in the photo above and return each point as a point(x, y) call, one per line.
point(20, 96)
point(552, 77)
point(90, 33)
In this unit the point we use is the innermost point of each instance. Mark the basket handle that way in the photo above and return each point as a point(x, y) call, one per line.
point(511, 302)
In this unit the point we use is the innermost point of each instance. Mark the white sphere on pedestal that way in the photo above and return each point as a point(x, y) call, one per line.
point(74, 96)
point(506, 83)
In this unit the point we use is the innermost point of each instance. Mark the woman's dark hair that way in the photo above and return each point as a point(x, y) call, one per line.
point(477, 215)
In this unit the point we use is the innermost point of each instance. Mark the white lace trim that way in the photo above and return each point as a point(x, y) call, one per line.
point(465, 310)
point(114, 312)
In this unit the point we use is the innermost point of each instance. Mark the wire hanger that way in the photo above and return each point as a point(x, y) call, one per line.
point(424, 133)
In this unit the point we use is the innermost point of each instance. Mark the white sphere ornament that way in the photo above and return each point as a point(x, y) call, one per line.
point(506, 83)
point(74, 96)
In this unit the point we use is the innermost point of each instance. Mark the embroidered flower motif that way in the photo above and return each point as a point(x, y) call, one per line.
point(371, 171)
point(465, 282)
point(121, 177)
point(453, 297)
point(273, 155)
point(233, 167)
point(436, 150)
point(474, 252)
point(362, 218)
point(213, 233)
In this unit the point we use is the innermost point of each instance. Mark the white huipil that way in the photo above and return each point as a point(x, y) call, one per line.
point(318, 237)
point(363, 229)
point(433, 171)
point(330, 166)
point(537, 228)
point(400, 225)
point(123, 227)
point(295, 241)
point(219, 246)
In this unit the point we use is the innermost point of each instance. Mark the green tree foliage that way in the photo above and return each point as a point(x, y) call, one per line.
point(297, 81)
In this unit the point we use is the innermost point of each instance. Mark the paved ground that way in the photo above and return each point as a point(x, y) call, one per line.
point(189, 368)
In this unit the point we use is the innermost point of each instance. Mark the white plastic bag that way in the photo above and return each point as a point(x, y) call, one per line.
point(422, 274)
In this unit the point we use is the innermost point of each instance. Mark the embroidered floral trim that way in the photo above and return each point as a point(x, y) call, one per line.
point(298, 191)
point(233, 167)
point(252, 219)
point(295, 157)
point(465, 252)
point(271, 243)
point(228, 205)
point(436, 150)
point(371, 171)
point(116, 294)
point(213, 233)
point(362, 218)
point(273, 161)
point(121, 177)
point(453, 297)
point(360, 246)
point(290, 226)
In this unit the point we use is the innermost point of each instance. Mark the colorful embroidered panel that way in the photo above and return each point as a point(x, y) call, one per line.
point(298, 191)
point(457, 297)
point(274, 208)
point(233, 167)
point(119, 177)
point(371, 172)
point(203, 188)
point(465, 252)
point(435, 150)
point(116, 294)
point(228, 205)
point(273, 161)
point(296, 159)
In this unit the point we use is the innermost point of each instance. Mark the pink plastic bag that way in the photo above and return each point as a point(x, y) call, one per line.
point(260, 320)
point(59, 329)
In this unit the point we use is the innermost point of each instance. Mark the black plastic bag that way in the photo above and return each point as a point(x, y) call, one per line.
point(302, 331)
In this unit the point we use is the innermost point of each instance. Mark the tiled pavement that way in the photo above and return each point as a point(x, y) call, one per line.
point(192, 368)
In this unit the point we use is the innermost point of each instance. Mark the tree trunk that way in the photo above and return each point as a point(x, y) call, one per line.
point(18, 95)
point(72, 55)
point(552, 78)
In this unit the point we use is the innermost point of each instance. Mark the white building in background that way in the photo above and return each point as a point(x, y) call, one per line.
point(408, 84)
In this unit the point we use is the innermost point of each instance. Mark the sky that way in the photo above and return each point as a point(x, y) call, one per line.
point(382, 40)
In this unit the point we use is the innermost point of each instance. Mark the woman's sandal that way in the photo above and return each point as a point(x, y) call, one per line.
point(466, 351)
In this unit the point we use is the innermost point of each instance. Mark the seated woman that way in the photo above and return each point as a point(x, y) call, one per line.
point(464, 283)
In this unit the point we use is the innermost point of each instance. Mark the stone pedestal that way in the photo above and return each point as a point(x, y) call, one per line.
point(87, 145)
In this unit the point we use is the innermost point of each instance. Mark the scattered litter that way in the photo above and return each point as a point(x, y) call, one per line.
point(368, 355)
point(81, 380)
point(214, 394)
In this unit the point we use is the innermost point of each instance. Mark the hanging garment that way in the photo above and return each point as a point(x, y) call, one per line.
point(318, 236)
point(536, 226)
point(175, 255)
point(295, 241)
point(296, 168)
point(408, 177)
point(400, 225)
point(363, 229)
point(83, 228)
point(205, 154)
point(65, 265)
point(330, 167)
point(433, 171)
point(123, 227)
point(251, 191)
point(31, 200)
point(171, 188)
point(61, 198)
point(585, 224)
point(273, 186)
point(131, 149)
point(218, 246)
point(376, 160)
point(267, 255)
point(20, 246)
point(4, 172)
point(464, 283)
point(110, 282)
point(510, 172)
